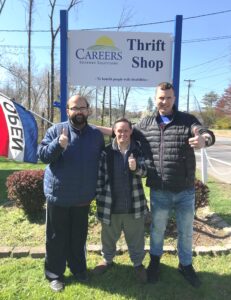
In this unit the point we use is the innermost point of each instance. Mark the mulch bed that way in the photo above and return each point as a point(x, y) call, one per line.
point(205, 233)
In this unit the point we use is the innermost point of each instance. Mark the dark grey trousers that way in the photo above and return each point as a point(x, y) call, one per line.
point(66, 234)
point(134, 235)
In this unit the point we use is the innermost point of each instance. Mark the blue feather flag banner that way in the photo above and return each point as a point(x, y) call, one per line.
point(18, 132)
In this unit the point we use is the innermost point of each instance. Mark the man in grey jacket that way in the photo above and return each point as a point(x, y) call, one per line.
point(72, 150)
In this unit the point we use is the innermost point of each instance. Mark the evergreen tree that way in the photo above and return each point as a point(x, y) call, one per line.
point(150, 106)
point(209, 100)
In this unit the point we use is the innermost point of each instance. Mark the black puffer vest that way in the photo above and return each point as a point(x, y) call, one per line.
point(172, 159)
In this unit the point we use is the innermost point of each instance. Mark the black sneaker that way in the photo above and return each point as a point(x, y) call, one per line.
point(153, 270)
point(141, 274)
point(190, 275)
point(81, 277)
point(57, 285)
point(102, 267)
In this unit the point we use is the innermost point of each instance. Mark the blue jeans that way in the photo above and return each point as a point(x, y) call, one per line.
point(162, 202)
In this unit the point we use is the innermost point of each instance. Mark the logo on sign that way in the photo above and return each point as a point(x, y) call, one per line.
point(103, 52)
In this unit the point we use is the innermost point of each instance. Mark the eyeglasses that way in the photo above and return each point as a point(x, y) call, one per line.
point(75, 109)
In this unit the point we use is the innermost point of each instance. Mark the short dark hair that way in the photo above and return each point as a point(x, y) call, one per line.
point(165, 86)
point(85, 99)
point(122, 120)
point(80, 97)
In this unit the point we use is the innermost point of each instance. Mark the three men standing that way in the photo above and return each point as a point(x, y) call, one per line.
point(72, 149)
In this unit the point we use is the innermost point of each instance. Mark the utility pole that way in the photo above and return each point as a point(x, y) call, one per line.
point(189, 85)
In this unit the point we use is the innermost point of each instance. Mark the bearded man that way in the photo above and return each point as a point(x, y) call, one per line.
point(72, 150)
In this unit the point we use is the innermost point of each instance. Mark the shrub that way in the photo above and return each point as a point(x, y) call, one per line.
point(223, 123)
point(92, 213)
point(25, 188)
point(93, 208)
point(201, 194)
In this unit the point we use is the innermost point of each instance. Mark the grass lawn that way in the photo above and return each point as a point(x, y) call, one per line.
point(222, 132)
point(24, 279)
point(16, 229)
point(219, 198)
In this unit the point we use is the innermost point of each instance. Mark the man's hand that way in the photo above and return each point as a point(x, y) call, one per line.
point(132, 162)
point(63, 139)
point(198, 141)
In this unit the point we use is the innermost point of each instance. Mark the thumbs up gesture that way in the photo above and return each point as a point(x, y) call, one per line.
point(198, 141)
point(63, 139)
point(132, 162)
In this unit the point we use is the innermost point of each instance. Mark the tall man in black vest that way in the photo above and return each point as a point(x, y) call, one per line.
point(169, 138)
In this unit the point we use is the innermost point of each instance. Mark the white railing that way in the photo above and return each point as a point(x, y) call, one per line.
point(205, 160)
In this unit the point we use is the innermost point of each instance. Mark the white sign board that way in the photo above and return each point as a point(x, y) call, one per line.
point(103, 58)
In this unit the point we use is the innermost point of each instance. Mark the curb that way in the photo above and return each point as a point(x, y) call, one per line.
point(39, 252)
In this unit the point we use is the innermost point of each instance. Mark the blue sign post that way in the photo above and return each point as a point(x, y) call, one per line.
point(177, 57)
point(63, 63)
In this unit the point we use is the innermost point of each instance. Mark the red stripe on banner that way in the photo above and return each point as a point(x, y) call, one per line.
point(4, 135)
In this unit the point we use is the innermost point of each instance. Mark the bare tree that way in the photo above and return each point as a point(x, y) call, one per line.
point(125, 17)
point(103, 106)
point(84, 90)
point(110, 120)
point(54, 33)
point(30, 11)
point(17, 81)
point(16, 86)
point(2, 3)
point(123, 92)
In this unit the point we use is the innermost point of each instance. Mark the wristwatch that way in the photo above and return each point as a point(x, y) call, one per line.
point(207, 140)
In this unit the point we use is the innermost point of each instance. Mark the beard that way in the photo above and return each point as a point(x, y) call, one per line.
point(78, 120)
